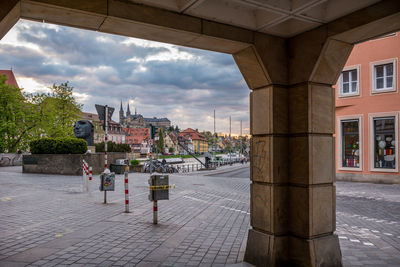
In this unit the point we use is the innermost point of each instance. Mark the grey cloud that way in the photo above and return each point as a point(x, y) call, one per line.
point(163, 87)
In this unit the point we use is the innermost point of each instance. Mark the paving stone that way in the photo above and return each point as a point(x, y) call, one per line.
point(205, 226)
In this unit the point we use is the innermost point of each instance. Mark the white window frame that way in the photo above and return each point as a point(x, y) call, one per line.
point(373, 78)
point(340, 142)
point(349, 68)
point(372, 140)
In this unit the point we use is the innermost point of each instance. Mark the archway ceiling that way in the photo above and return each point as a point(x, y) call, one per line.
point(284, 18)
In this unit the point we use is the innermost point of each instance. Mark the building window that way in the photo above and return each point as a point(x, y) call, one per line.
point(349, 82)
point(350, 143)
point(384, 133)
point(384, 76)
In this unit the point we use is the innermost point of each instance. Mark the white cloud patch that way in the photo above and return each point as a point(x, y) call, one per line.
point(158, 79)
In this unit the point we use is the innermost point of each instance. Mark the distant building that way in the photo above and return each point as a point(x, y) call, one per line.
point(200, 143)
point(10, 77)
point(171, 142)
point(138, 140)
point(368, 111)
point(115, 133)
point(138, 121)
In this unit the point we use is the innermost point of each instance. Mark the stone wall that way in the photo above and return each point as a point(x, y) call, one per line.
point(70, 164)
point(10, 159)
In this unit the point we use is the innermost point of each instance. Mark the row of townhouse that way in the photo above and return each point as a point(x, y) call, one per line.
point(367, 112)
point(139, 138)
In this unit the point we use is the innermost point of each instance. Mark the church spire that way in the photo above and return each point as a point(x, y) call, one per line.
point(121, 114)
point(135, 111)
point(128, 112)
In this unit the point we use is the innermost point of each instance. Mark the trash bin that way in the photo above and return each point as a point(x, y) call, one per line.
point(117, 168)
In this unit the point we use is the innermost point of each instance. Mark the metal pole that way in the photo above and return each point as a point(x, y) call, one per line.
point(241, 145)
point(126, 192)
point(230, 140)
point(106, 170)
point(214, 143)
point(155, 211)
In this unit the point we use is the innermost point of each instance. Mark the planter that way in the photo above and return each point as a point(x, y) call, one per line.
point(136, 168)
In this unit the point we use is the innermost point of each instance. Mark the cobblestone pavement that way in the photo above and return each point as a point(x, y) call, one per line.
point(47, 220)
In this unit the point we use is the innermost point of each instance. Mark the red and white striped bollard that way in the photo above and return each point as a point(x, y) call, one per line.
point(126, 192)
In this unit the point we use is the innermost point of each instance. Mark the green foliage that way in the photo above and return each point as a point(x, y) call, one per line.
point(135, 162)
point(113, 147)
point(171, 150)
point(160, 143)
point(59, 110)
point(19, 119)
point(26, 117)
point(63, 145)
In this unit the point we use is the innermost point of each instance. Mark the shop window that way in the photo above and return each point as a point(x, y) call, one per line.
point(350, 156)
point(384, 76)
point(349, 83)
point(384, 143)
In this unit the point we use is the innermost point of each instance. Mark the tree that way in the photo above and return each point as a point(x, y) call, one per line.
point(60, 109)
point(160, 143)
point(19, 119)
point(24, 117)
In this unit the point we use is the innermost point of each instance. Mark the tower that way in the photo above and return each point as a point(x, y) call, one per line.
point(121, 114)
point(128, 112)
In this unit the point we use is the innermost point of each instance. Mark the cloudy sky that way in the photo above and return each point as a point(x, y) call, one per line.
point(162, 80)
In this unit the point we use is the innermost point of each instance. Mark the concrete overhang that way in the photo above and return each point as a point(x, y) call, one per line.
point(218, 25)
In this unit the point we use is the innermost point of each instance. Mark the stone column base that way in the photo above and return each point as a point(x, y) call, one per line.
point(268, 250)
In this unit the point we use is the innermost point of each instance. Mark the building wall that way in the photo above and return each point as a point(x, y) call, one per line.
point(366, 104)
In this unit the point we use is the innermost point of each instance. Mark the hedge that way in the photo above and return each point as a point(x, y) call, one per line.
point(135, 162)
point(113, 147)
point(64, 145)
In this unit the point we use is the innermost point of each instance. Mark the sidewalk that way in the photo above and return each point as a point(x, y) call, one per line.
point(46, 220)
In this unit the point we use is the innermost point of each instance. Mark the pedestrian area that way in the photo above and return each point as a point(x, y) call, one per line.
point(48, 220)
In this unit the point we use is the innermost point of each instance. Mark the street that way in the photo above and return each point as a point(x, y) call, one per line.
point(48, 220)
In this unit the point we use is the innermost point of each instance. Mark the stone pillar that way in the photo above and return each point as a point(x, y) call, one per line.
point(292, 151)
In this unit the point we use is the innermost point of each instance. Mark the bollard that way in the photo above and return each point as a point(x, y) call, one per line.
point(85, 175)
point(90, 173)
point(126, 192)
point(155, 212)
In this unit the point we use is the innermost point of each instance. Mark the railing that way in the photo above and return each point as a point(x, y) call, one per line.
point(188, 167)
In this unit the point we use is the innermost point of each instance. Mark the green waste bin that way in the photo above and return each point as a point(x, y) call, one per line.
point(118, 168)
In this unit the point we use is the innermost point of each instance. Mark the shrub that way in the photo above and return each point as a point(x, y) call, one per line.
point(135, 162)
point(65, 145)
point(113, 147)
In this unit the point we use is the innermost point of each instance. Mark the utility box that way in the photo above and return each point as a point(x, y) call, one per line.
point(107, 181)
point(159, 187)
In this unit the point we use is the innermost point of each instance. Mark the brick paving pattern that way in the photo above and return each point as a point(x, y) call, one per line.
point(47, 220)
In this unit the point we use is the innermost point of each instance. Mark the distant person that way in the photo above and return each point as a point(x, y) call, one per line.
point(164, 162)
point(19, 151)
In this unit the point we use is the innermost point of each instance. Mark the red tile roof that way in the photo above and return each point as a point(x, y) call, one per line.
point(10, 77)
point(137, 135)
point(194, 135)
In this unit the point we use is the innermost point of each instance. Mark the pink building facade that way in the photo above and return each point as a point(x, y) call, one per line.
point(367, 113)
